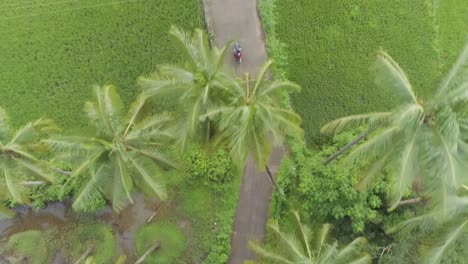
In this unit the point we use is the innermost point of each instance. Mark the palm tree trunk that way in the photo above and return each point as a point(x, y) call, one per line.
point(348, 146)
point(156, 245)
point(63, 172)
point(89, 250)
point(271, 177)
point(410, 201)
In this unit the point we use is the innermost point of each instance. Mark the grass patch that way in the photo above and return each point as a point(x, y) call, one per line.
point(330, 47)
point(29, 246)
point(171, 238)
point(96, 235)
point(54, 51)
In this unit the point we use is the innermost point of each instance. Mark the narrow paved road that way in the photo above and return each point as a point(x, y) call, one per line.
point(238, 20)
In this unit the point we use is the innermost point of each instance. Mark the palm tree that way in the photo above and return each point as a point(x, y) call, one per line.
point(447, 223)
point(418, 138)
point(17, 163)
point(253, 119)
point(123, 153)
point(197, 85)
point(299, 248)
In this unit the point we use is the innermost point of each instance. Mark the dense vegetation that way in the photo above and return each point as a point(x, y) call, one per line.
point(328, 47)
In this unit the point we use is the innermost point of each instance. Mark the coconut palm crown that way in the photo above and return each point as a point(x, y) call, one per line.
point(197, 85)
point(123, 153)
point(307, 247)
point(424, 139)
point(254, 120)
point(17, 163)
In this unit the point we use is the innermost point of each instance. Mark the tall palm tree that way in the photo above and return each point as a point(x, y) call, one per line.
point(426, 139)
point(124, 152)
point(197, 85)
point(447, 224)
point(17, 163)
point(307, 247)
point(253, 119)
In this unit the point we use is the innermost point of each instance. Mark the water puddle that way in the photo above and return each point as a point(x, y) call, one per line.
point(60, 214)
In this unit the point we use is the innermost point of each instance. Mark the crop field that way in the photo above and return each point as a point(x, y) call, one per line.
point(53, 51)
point(330, 47)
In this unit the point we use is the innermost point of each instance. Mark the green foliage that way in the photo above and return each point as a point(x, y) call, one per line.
point(18, 164)
point(53, 51)
point(220, 247)
point(124, 153)
point(32, 245)
point(173, 242)
point(214, 171)
point(305, 245)
point(75, 240)
point(326, 192)
point(330, 45)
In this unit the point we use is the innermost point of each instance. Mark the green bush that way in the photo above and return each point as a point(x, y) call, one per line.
point(172, 241)
point(210, 170)
point(31, 245)
point(78, 238)
point(307, 183)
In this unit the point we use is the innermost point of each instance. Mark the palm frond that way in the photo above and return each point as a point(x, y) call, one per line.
point(343, 123)
point(29, 132)
point(121, 186)
point(91, 191)
point(407, 172)
point(268, 254)
point(353, 253)
point(37, 168)
point(289, 241)
point(158, 155)
point(389, 73)
point(457, 73)
point(433, 250)
point(261, 77)
point(15, 189)
point(379, 143)
point(320, 239)
point(305, 234)
point(278, 85)
point(187, 45)
point(150, 175)
point(4, 128)
point(106, 111)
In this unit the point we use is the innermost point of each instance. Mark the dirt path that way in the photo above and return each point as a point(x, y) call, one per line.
point(238, 20)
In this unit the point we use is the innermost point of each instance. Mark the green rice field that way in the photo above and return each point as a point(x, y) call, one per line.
point(53, 51)
point(330, 47)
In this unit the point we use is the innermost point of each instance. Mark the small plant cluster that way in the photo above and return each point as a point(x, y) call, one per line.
point(214, 171)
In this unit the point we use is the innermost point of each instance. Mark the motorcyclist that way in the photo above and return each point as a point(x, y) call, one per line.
point(237, 48)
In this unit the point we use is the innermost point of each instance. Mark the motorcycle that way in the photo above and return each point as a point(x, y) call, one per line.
point(237, 52)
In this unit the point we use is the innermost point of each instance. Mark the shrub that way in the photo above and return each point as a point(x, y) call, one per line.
point(29, 244)
point(210, 170)
point(172, 241)
point(305, 178)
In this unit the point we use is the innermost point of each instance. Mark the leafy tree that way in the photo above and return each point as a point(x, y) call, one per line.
point(17, 163)
point(123, 153)
point(418, 139)
point(197, 85)
point(253, 120)
point(312, 247)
